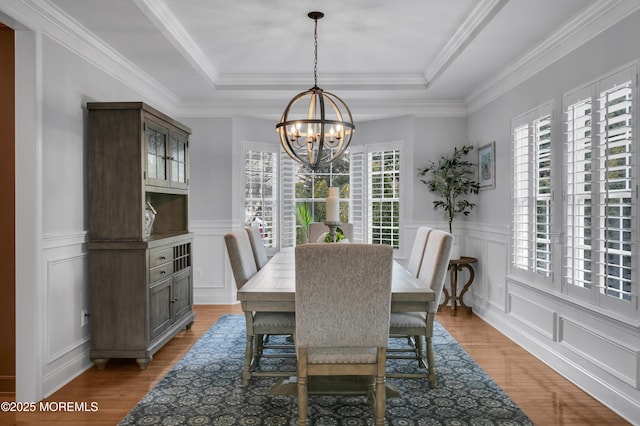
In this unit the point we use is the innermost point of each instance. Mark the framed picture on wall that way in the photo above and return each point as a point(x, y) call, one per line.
point(487, 166)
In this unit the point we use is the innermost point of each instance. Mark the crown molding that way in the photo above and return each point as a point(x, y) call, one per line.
point(363, 81)
point(483, 13)
point(592, 21)
point(166, 22)
point(44, 16)
point(365, 110)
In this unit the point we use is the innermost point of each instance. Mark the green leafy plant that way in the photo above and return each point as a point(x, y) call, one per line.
point(339, 236)
point(451, 179)
point(304, 217)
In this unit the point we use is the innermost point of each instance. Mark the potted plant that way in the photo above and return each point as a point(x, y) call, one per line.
point(452, 180)
point(304, 217)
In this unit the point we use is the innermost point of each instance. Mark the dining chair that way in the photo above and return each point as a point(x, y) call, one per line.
point(257, 246)
point(343, 300)
point(417, 250)
point(418, 325)
point(316, 229)
point(259, 325)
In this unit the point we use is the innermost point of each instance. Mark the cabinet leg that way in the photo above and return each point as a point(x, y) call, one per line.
point(144, 362)
point(188, 327)
point(100, 362)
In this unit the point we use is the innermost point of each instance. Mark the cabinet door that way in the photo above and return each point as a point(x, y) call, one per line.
point(178, 160)
point(182, 294)
point(160, 307)
point(156, 147)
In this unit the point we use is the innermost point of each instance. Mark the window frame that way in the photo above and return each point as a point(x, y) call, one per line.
point(273, 245)
point(526, 158)
point(596, 294)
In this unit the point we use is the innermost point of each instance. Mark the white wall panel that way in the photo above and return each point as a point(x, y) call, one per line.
point(534, 315)
point(213, 281)
point(615, 357)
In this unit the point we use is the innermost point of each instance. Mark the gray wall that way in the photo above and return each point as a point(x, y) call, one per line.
point(596, 349)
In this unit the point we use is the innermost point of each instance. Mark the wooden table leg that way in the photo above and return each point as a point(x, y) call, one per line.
point(454, 288)
point(466, 286)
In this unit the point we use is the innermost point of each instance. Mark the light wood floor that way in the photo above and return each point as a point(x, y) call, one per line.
point(546, 397)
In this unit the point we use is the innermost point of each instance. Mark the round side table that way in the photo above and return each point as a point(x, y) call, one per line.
point(456, 265)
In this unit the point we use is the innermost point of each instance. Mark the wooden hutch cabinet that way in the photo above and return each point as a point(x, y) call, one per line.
point(141, 275)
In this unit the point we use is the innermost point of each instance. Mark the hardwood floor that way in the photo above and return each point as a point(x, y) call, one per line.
point(546, 397)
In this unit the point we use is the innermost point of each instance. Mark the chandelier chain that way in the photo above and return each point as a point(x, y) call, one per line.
point(315, 52)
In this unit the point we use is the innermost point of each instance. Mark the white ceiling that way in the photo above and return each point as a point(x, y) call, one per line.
point(384, 58)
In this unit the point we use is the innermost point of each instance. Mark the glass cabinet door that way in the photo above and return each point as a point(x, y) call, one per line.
point(167, 156)
point(156, 139)
point(178, 160)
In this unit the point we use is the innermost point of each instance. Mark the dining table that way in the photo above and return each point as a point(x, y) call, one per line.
point(273, 289)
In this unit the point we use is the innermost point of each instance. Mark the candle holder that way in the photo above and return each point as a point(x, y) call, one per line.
point(333, 226)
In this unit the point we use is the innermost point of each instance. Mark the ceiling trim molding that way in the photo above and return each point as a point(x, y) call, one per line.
point(44, 16)
point(582, 28)
point(165, 21)
point(484, 12)
point(300, 80)
point(364, 110)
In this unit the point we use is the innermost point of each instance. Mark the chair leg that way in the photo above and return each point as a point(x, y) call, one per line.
point(381, 395)
point(431, 360)
point(248, 354)
point(380, 401)
point(302, 387)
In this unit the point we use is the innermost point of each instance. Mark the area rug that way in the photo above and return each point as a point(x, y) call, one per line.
point(204, 388)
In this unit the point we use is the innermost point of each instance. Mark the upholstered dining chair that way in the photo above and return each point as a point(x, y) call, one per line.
point(417, 250)
point(343, 299)
point(316, 229)
point(419, 325)
point(257, 246)
point(259, 324)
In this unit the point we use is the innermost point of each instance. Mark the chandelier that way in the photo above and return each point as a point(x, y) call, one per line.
point(316, 127)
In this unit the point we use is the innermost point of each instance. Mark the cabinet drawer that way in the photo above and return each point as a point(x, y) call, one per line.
point(160, 272)
point(160, 256)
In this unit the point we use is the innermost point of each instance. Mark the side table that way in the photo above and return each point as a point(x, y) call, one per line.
point(456, 265)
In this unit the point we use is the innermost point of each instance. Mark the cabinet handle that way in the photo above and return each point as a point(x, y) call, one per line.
point(163, 257)
point(163, 272)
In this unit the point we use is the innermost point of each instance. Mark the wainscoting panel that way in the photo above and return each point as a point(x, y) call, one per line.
point(212, 276)
point(67, 338)
point(488, 287)
point(532, 314)
point(615, 357)
point(598, 352)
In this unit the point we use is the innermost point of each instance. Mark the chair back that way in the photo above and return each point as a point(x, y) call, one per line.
point(240, 253)
point(435, 265)
point(316, 229)
point(343, 295)
point(417, 251)
point(257, 246)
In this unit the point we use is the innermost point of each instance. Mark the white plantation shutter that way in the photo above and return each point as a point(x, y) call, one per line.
point(543, 194)
point(521, 233)
point(384, 183)
point(600, 160)
point(261, 191)
point(531, 194)
point(614, 187)
point(578, 266)
point(357, 193)
point(287, 201)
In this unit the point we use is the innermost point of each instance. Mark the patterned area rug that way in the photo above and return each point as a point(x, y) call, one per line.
point(204, 389)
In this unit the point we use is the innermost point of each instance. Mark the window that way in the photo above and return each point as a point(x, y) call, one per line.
point(384, 197)
point(531, 249)
point(312, 189)
point(369, 194)
point(260, 192)
point(600, 160)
